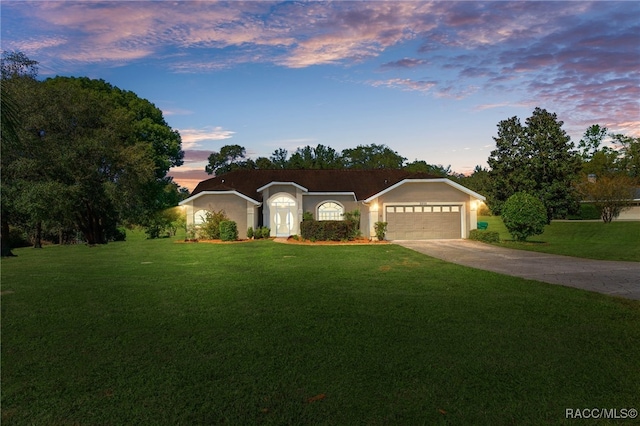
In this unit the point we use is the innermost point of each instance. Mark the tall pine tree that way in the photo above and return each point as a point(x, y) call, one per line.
point(538, 158)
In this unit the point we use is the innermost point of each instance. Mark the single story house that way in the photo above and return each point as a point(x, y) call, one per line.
point(415, 205)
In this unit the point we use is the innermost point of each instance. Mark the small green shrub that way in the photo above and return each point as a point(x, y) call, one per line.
point(381, 230)
point(307, 216)
point(250, 232)
point(228, 230)
point(119, 234)
point(353, 220)
point(524, 215)
point(261, 232)
point(484, 236)
point(210, 228)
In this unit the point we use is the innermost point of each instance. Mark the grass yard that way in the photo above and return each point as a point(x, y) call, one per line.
point(591, 240)
point(154, 332)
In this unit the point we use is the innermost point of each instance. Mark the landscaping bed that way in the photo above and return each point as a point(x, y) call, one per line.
point(357, 241)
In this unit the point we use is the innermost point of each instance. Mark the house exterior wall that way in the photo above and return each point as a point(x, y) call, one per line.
point(632, 213)
point(241, 211)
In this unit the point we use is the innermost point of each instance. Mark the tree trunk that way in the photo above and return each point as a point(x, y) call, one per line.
point(5, 245)
point(37, 239)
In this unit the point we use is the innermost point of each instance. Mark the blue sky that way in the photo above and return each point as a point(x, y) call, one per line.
point(429, 79)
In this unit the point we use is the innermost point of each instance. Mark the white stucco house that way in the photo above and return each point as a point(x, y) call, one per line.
point(415, 205)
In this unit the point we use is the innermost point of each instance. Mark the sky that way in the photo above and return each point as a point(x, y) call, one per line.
point(431, 80)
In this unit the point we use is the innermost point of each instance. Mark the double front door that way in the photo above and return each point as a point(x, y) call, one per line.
point(283, 216)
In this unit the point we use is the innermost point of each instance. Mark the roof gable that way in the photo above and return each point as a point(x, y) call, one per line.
point(437, 180)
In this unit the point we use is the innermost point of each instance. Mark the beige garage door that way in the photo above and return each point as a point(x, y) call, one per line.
point(423, 222)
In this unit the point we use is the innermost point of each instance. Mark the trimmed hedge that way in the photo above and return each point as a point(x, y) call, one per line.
point(327, 230)
point(484, 236)
point(228, 230)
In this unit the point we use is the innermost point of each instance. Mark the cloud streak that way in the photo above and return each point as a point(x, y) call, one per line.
point(192, 138)
point(578, 58)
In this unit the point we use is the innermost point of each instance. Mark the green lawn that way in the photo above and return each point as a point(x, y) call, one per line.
point(154, 332)
point(591, 240)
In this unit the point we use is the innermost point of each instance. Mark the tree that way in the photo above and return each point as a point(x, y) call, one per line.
point(264, 163)
point(591, 141)
point(18, 75)
point(99, 153)
point(611, 194)
point(629, 149)
point(229, 158)
point(320, 157)
point(479, 180)
point(538, 158)
point(279, 158)
point(422, 166)
point(114, 150)
point(372, 157)
point(524, 215)
point(17, 65)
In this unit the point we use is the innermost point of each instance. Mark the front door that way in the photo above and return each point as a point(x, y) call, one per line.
point(283, 214)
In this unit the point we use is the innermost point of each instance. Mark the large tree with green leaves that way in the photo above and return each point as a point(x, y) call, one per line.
point(114, 150)
point(320, 157)
point(372, 157)
point(230, 157)
point(538, 158)
point(100, 154)
point(18, 79)
point(609, 173)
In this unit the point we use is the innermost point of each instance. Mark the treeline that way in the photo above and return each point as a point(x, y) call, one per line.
point(233, 157)
point(537, 158)
point(80, 157)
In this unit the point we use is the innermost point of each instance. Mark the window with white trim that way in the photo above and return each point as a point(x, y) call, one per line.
point(199, 217)
point(330, 211)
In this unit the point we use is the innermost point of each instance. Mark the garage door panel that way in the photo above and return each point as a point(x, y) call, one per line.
point(423, 222)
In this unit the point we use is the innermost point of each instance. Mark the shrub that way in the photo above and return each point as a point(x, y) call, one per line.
point(484, 236)
point(250, 232)
point(353, 220)
point(210, 228)
point(261, 232)
point(228, 230)
point(524, 215)
point(192, 233)
point(164, 222)
point(587, 212)
point(119, 234)
point(381, 230)
point(307, 216)
point(326, 230)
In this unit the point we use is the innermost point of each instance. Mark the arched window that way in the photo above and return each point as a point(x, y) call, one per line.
point(199, 217)
point(330, 211)
point(283, 202)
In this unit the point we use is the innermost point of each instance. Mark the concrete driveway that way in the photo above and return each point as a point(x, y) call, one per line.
point(613, 278)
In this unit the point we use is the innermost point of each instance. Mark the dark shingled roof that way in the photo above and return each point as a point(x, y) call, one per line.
point(364, 183)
